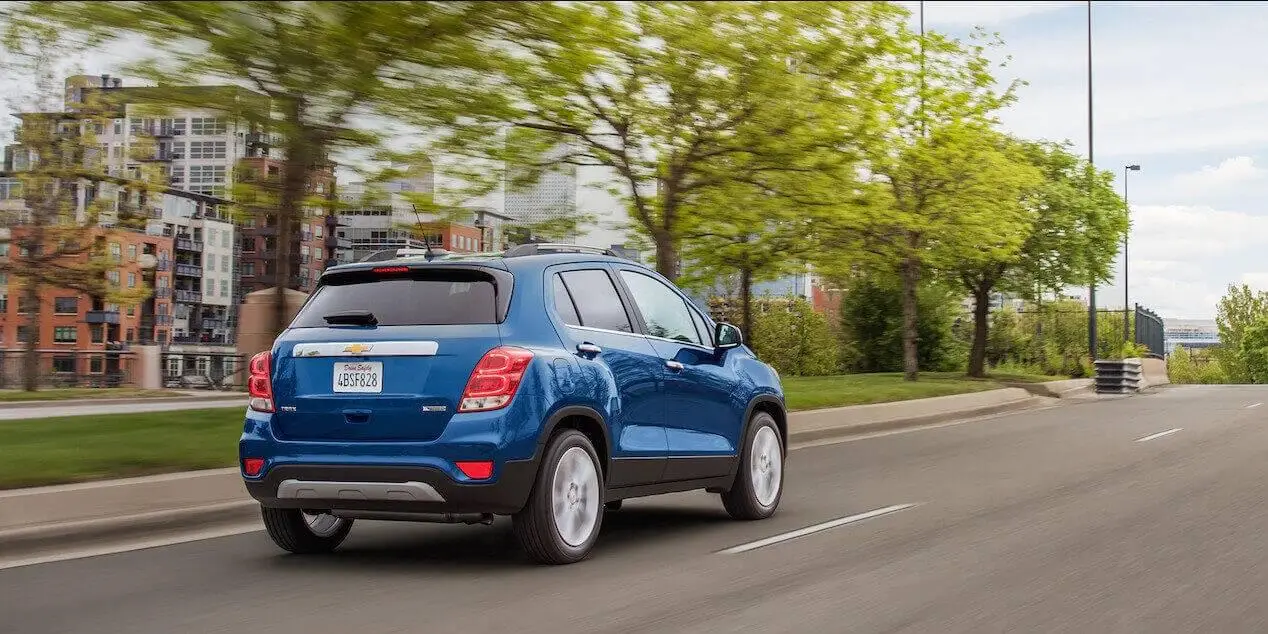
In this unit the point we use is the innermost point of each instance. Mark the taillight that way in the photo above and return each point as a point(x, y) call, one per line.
point(252, 466)
point(259, 384)
point(476, 469)
point(495, 379)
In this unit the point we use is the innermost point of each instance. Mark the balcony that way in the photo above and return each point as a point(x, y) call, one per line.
point(188, 297)
point(263, 231)
point(188, 244)
point(101, 317)
point(163, 293)
point(163, 265)
point(189, 270)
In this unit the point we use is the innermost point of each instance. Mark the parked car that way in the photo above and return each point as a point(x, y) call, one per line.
point(547, 383)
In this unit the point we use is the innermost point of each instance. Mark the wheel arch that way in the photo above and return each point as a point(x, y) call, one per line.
point(772, 405)
point(586, 420)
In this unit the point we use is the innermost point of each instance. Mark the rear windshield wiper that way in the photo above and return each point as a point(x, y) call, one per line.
point(351, 318)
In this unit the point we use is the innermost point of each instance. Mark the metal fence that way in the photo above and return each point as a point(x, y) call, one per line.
point(1149, 332)
point(204, 370)
point(72, 368)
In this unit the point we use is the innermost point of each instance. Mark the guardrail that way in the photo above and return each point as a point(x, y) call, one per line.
point(1118, 377)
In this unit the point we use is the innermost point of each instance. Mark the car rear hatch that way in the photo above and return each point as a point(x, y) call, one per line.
point(383, 354)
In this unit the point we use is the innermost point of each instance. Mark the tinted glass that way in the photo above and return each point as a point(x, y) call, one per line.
point(664, 310)
point(703, 328)
point(563, 304)
point(404, 302)
point(597, 301)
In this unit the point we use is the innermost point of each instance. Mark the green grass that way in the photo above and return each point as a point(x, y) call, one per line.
point(59, 394)
point(815, 392)
point(45, 451)
point(42, 451)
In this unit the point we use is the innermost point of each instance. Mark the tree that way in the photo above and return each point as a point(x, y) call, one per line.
point(1077, 221)
point(872, 325)
point(59, 241)
point(795, 339)
point(1237, 311)
point(321, 65)
point(676, 98)
point(941, 179)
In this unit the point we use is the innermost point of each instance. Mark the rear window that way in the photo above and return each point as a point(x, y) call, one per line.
point(405, 301)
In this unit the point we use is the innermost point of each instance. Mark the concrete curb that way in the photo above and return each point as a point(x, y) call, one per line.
point(51, 518)
point(78, 402)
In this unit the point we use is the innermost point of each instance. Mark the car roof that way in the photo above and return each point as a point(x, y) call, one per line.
point(516, 264)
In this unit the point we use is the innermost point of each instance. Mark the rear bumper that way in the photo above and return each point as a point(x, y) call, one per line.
point(405, 489)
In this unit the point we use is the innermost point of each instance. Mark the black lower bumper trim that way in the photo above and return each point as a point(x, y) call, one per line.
point(506, 496)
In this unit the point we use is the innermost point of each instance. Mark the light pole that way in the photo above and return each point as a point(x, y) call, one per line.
point(1126, 305)
point(1091, 291)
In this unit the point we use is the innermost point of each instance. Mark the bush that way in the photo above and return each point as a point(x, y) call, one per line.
point(795, 339)
point(871, 327)
point(1184, 366)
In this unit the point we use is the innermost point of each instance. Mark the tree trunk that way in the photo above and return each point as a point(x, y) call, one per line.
point(666, 255)
point(746, 305)
point(981, 325)
point(31, 350)
point(911, 282)
point(299, 159)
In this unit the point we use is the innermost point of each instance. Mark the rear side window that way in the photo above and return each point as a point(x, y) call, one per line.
point(564, 305)
point(596, 300)
point(405, 301)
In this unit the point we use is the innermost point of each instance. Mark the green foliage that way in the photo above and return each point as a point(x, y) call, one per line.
point(1053, 338)
point(1254, 350)
point(1188, 367)
point(871, 325)
point(1237, 311)
point(795, 339)
point(1132, 350)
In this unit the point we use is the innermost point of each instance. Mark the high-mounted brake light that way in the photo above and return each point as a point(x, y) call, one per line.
point(259, 383)
point(385, 270)
point(495, 379)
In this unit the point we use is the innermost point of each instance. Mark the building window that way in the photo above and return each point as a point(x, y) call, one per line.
point(207, 125)
point(211, 237)
point(211, 288)
point(211, 261)
point(206, 149)
point(224, 288)
point(96, 364)
point(317, 229)
point(224, 264)
point(65, 334)
point(248, 269)
point(66, 305)
point(132, 252)
point(116, 252)
point(64, 364)
point(131, 335)
point(131, 280)
point(207, 179)
point(24, 305)
point(131, 311)
point(97, 332)
point(319, 254)
point(225, 238)
point(113, 277)
point(178, 174)
point(135, 125)
point(24, 334)
point(10, 188)
point(4, 301)
point(118, 126)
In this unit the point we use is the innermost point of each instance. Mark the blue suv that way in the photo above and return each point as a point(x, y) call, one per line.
point(547, 383)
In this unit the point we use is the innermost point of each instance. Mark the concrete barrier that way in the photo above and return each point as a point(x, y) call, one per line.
point(1154, 372)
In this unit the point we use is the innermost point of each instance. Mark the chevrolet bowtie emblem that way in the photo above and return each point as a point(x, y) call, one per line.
point(357, 348)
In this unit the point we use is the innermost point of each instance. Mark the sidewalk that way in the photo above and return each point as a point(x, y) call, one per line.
point(54, 517)
point(17, 410)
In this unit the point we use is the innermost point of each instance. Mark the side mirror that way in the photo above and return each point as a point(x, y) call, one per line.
point(727, 336)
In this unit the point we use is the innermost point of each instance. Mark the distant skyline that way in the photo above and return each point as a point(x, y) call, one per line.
point(1177, 90)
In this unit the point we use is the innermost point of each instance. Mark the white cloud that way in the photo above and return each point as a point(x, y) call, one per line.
point(947, 13)
point(1257, 280)
point(1232, 171)
point(1171, 232)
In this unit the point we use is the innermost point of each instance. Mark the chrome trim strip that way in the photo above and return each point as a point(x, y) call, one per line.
point(379, 491)
point(366, 348)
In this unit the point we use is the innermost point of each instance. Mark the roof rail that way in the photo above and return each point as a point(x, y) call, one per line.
point(534, 248)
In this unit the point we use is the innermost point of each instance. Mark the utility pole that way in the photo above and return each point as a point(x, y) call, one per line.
point(1091, 293)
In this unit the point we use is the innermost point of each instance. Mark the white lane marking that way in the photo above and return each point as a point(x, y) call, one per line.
point(129, 546)
point(809, 530)
point(1159, 434)
point(1253, 406)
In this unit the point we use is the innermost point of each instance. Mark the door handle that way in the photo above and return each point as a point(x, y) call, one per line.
point(674, 365)
point(588, 348)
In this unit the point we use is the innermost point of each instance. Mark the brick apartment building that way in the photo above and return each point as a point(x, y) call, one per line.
point(314, 240)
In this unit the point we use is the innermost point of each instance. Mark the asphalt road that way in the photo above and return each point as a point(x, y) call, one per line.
point(1056, 520)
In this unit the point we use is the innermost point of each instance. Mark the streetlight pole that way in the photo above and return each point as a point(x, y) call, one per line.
point(1126, 305)
point(1091, 292)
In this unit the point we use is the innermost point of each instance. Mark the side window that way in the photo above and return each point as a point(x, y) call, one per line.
point(563, 304)
point(664, 310)
point(702, 327)
point(597, 303)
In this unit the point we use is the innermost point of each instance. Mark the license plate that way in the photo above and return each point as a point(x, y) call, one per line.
point(359, 377)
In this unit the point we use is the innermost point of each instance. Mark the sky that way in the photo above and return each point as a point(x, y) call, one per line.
point(1177, 89)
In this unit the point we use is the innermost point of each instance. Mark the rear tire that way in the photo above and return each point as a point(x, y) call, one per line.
point(561, 521)
point(302, 533)
point(759, 480)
